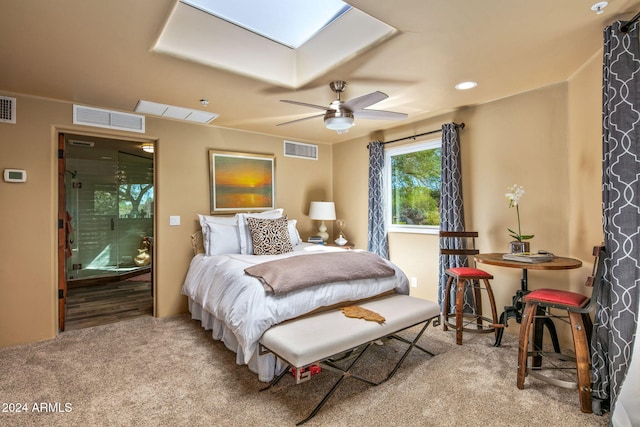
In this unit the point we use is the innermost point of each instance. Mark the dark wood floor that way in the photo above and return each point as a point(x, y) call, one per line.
point(107, 303)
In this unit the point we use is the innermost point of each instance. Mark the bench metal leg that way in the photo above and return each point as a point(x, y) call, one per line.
point(277, 379)
point(346, 373)
point(412, 344)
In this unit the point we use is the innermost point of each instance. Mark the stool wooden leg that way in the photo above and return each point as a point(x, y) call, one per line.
point(523, 343)
point(539, 322)
point(459, 310)
point(477, 302)
point(588, 328)
point(492, 304)
point(581, 346)
point(446, 303)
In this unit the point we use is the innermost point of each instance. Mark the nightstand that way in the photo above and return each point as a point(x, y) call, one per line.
point(347, 245)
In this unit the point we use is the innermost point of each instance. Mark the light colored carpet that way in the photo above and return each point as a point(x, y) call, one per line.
point(149, 371)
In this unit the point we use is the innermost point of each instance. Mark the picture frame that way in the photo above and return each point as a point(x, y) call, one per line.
point(241, 182)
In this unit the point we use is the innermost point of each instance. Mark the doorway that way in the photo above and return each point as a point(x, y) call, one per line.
point(109, 210)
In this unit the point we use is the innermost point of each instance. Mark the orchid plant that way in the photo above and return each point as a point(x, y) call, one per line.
point(515, 192)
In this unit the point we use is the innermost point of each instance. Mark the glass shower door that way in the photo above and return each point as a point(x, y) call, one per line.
point(135, 211)
point(92, 205)
point(110, 206)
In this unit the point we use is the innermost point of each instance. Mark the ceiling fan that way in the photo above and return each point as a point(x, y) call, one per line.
point(339, 116)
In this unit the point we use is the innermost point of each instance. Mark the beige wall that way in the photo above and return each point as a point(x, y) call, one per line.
point(28, 212)
point(548, 141)
point(28, 286)
point(585, 164)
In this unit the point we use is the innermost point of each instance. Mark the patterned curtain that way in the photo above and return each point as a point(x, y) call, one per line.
point(377, 234)
point(616, 318)
point(451, 208)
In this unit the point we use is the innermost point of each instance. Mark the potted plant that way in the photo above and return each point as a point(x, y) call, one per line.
point(519, 245)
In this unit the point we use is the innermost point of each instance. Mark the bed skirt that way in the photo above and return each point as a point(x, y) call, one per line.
point(265, 365)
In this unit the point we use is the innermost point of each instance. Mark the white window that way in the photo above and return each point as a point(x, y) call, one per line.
point(412, 187)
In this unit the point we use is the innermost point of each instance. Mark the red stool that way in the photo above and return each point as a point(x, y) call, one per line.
point(464, 277)
point(539, 304)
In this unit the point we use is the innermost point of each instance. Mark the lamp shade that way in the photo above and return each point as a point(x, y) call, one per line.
point(322, 211)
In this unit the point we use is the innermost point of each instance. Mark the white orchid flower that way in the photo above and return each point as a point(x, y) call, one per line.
point(515, 192)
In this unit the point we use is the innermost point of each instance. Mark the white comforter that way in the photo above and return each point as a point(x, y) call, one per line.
point(218, 287)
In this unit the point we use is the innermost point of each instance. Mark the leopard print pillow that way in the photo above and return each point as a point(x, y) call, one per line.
point(269, 236)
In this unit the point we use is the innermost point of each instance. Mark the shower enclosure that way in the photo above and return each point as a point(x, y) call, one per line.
point(109, 202)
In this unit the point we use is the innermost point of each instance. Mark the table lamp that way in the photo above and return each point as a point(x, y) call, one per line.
point(322, 211)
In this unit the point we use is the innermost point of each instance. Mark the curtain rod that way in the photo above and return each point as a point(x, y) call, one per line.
point(461, 126)
point(626, 26)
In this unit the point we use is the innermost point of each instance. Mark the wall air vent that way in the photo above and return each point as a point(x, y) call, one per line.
point(97, 117)
point(300, 150)
point(7, 109)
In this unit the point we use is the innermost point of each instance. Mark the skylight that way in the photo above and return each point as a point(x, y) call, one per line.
point(288, 22)
point(195, 34)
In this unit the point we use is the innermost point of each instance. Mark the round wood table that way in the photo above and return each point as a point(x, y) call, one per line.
point(515, 309)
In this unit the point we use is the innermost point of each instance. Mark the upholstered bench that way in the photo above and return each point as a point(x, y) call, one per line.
point(316, 339)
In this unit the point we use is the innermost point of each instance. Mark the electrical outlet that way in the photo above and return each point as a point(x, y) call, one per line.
point(414, 282)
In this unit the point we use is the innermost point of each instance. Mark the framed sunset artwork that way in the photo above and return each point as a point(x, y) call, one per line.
point(241, 182)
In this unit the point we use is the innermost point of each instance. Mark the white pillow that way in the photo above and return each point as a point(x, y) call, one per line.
point(246, 245)
point(223, 239)
point(219, 234)
point(293, 232)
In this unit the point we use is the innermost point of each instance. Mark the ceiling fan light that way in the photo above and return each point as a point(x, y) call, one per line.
point(338, 119)
point(338, 123)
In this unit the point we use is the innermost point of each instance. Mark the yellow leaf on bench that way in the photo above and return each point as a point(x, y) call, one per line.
point(362, 313)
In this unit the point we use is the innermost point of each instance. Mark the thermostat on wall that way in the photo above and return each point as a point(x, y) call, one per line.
point(15, 175)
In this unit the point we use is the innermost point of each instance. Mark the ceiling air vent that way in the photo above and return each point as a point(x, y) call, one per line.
point(7, 109)
point(89, 116)
point(300, 150)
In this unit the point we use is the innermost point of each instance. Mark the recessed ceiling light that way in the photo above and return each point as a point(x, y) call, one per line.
point(466, 85)
point(599, 7)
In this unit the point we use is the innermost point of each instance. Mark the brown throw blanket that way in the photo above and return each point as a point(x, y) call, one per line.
point(357, 312)
point(298, 272)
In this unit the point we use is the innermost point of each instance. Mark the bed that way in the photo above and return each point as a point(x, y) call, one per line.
point(238, 308)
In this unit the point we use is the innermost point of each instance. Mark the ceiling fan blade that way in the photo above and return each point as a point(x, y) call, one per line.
point(304, 104)
point(379, 115)
point(360, 102)
point(300, 120)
